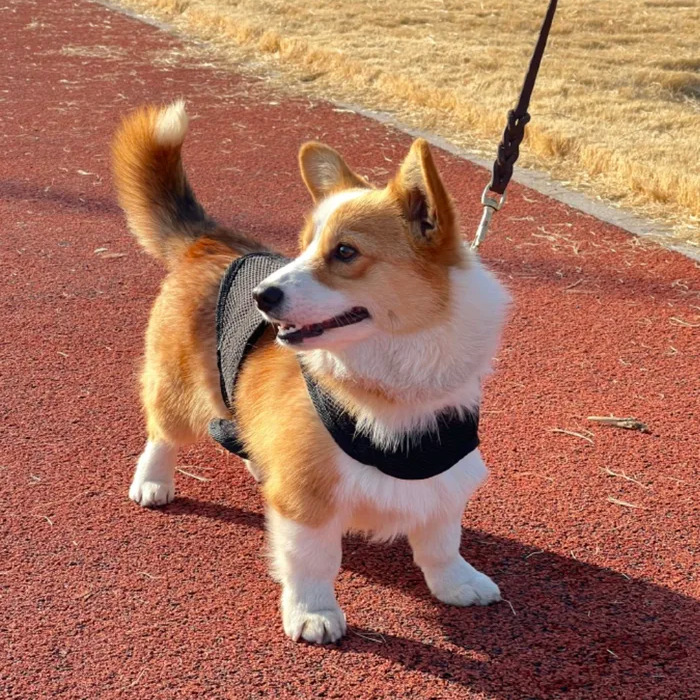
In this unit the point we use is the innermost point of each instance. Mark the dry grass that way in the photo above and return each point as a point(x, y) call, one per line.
point(616, 110)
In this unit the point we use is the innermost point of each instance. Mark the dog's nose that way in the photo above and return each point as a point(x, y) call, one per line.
point(267, 297)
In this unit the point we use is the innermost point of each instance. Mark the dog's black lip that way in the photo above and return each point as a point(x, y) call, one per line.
point(354, 315)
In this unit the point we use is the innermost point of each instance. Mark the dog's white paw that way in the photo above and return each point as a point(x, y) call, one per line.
point(465, 586)
point(150, 494)
point(154, 479)
point(317, 626)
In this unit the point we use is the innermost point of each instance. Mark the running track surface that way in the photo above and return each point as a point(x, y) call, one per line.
point(101, 599)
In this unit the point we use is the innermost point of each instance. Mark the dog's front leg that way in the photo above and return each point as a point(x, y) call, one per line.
point(306, 562)
point(450, 578)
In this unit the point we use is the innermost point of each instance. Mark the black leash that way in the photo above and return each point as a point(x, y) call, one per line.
point(494, 195)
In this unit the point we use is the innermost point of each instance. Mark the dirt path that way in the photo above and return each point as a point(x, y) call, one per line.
point(103, 600)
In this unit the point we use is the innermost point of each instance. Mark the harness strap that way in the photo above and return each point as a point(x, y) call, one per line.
point(225, 432)
point(509, 147)
point(422, 456)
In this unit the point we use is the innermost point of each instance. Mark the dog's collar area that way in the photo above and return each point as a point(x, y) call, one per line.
point(424, 455)
point(239, 326)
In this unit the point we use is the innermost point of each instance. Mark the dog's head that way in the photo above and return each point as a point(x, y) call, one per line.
point(372, 260)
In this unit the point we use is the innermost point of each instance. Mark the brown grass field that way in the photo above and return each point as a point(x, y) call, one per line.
point(615, 113)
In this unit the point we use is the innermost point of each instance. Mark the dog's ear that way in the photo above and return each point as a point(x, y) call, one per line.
point(324, 171)
point(424, 200)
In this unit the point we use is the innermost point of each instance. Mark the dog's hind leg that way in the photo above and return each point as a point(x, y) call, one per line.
point(180, 390)
point(154, 479)
point(153, 483)
point(164, 401)
point(171, 417)
point(178, 406)
point(177, 414)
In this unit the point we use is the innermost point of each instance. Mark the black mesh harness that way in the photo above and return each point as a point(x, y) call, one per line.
point(239, 327)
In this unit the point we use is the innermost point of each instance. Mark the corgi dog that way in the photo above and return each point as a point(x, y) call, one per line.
point(421, 321)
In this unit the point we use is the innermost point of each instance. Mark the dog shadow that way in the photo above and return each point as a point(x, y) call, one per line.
point(566, 628)
point(183, 505)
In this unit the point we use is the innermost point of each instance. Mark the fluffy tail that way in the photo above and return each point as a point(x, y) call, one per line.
point(160, 206)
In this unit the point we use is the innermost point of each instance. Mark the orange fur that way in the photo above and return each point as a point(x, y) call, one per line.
point(407, 248)
point(324, 171)
point(180, 384)
point(423, 196)
point(149, 178)
point(180, 378)
point(160, 206)
point(285, 436)
point(399, 253)
point(181, 391)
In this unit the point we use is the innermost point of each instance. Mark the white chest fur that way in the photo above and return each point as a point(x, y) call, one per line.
point(385, 507)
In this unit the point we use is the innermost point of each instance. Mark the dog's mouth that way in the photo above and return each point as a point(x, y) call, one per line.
point(289, 333)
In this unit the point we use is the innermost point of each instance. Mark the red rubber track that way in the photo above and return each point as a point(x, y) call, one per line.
point(102, 599)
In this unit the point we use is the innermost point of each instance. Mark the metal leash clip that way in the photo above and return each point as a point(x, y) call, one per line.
point(492, 203)
point(508, 148)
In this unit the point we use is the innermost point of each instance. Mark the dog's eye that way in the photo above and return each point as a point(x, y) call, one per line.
point(345, 253)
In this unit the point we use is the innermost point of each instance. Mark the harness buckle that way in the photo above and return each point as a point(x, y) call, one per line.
point(492, 203)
